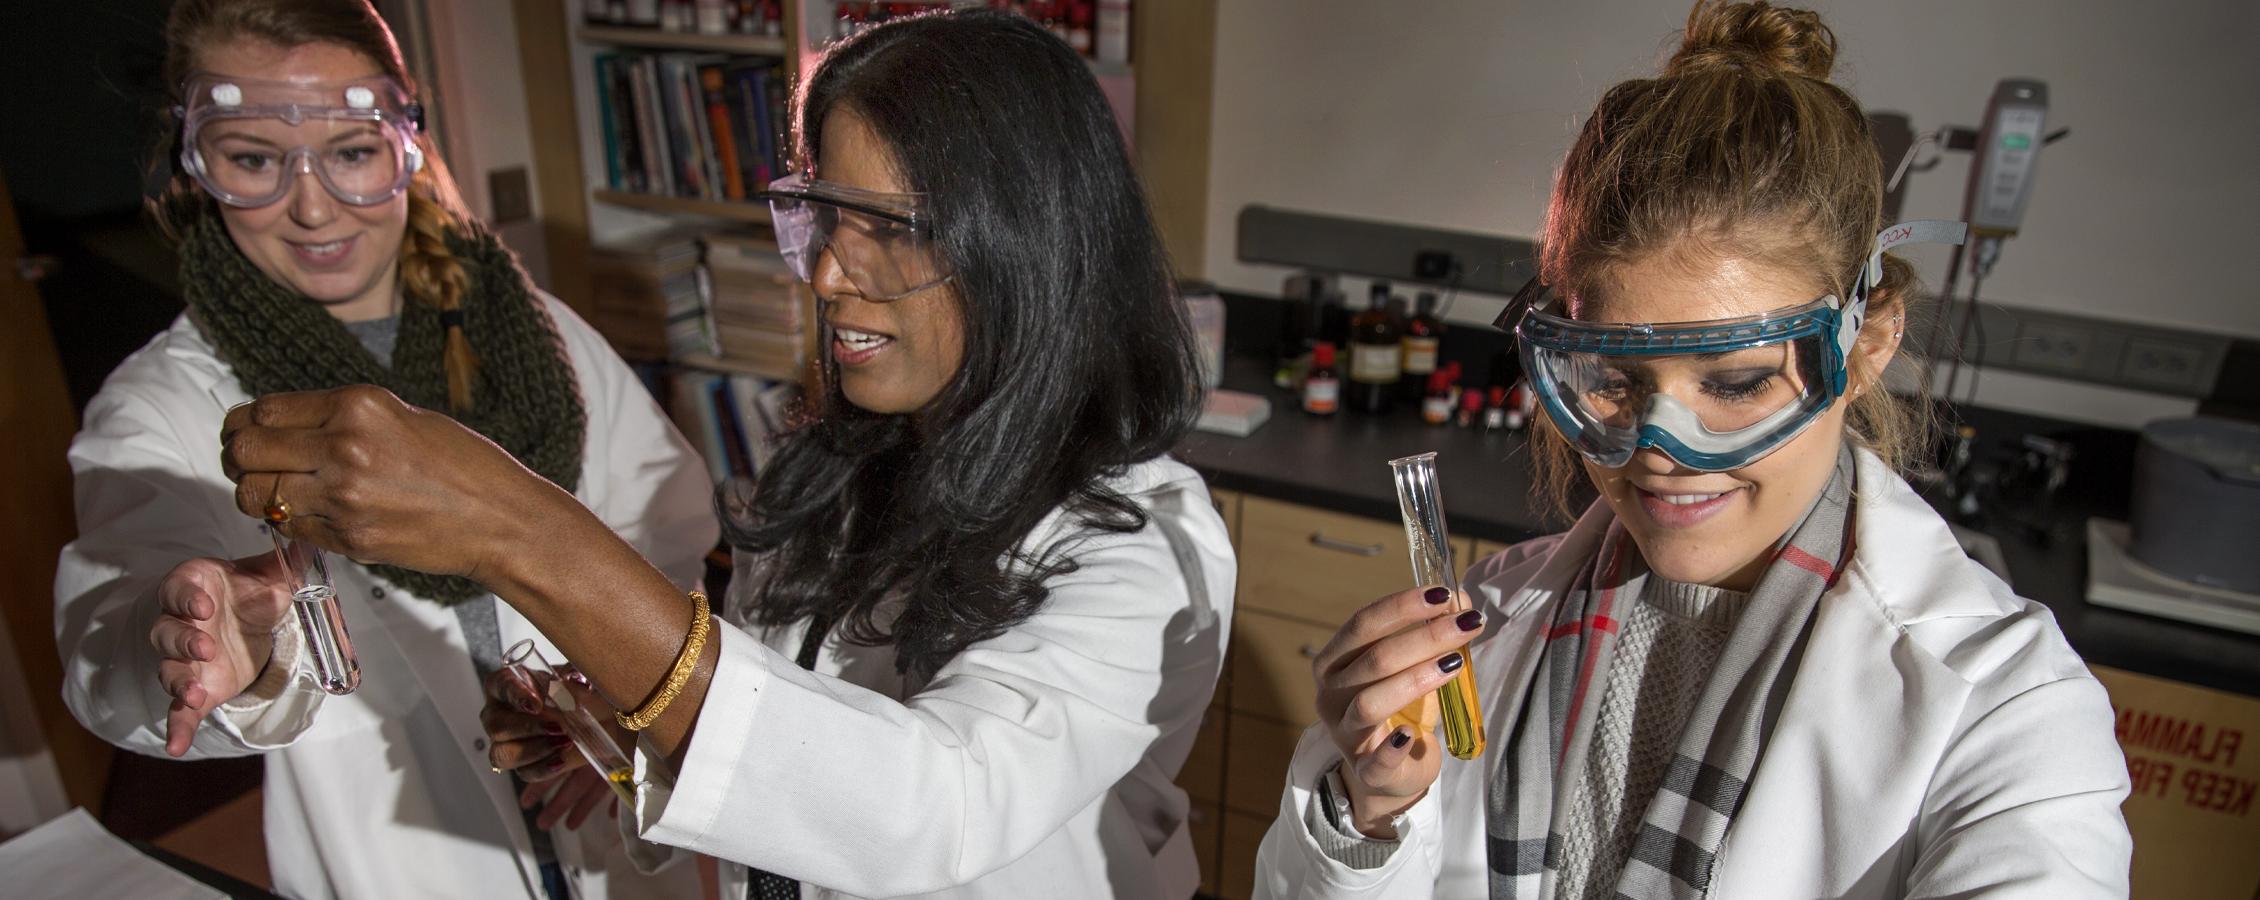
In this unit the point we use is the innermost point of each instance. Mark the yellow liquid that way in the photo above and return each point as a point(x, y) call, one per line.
point(1458, 705)
point(623, 781)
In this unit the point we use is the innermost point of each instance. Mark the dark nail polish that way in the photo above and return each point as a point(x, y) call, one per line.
point(1437, 595)
point(1469, 621)
point(1451, 663)
point(1400, 739)
point(552, 728)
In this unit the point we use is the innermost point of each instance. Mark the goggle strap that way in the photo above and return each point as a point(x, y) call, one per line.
point(1855, 312)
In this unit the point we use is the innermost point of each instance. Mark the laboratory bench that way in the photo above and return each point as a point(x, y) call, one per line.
point(1313, 515)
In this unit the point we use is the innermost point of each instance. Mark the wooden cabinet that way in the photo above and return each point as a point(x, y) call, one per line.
point(1243, 833)
point(1320, 566)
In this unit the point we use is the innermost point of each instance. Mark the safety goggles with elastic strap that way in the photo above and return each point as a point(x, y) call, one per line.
point(1713, 395)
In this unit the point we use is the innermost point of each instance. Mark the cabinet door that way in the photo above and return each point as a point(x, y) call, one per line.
point(1243, 834)
point(1314, 565)
point(1203, 774)
point(1271, 666)
point(1227, 504)
point(1255, 763)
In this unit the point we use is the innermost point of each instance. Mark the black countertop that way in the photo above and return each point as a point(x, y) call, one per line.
point(1340, 463)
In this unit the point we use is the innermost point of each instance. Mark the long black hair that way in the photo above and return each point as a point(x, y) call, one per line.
point(1078, 360)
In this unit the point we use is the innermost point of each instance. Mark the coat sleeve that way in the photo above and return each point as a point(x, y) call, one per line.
point(1290, 863)
point(656, 493)
point(145, 505)
point(2026, 800)
point(814, 778)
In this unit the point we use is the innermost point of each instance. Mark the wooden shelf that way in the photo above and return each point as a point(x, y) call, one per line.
point(652, 38)
point(757, 213)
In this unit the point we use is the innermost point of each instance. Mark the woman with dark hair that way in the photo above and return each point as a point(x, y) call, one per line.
point(320, 245)
point(978, 612)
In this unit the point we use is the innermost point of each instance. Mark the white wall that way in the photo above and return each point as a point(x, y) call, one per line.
point(1454, 113)
point(483, 93)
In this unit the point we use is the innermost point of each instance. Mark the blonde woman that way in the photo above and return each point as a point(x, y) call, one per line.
point(1759, 665)
point(319, 247)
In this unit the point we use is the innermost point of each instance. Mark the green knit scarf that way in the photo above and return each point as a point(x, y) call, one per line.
point(277, 340)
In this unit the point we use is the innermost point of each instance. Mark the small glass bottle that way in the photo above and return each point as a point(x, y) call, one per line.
point(1322, 388)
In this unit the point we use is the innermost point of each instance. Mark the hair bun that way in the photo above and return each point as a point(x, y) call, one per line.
point(1754, 37)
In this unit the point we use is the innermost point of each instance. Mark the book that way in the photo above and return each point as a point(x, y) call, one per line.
point(608, 124)
point(719, 128)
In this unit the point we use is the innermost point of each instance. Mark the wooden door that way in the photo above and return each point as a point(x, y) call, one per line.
point(35, 512)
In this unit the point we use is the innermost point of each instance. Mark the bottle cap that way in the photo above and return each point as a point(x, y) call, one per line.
point(1471, 401)
point(1322, 353)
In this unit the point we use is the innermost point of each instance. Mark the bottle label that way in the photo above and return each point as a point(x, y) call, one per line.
point(1322, 395)
point(1374, 363)
point(1436, 410)
point(1420, 355)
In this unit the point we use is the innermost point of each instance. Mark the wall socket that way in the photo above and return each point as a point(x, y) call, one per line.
point(2079, 348)
point(511, 195)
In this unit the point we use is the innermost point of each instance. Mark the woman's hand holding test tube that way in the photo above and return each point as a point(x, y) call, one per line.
point(1391, 654)
point(530, 739)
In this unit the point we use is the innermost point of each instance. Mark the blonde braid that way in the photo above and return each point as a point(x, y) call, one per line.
point(430, 274)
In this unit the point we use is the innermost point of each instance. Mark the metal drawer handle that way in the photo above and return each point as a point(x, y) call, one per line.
point(1319, 539)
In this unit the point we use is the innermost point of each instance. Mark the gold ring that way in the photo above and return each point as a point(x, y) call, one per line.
point(278, 509)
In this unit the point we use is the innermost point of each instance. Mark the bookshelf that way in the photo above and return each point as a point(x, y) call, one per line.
point(753, 213)
point(653, 39)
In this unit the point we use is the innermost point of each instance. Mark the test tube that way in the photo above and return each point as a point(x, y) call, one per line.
point(313, 600)
point(1421, 503)
point(562, 695)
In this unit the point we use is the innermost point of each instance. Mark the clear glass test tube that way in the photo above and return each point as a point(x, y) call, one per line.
point(1421, 503)
point(567, 699)
point(313, 601)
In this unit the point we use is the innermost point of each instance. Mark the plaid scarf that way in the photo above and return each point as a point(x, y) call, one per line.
point(1686, 822)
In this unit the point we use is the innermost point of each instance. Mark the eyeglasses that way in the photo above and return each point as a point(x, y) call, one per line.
point(884, 242)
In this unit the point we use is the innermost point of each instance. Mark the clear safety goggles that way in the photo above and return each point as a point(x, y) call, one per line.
point(884, 242)
point(1713, 395)
point(245, 141)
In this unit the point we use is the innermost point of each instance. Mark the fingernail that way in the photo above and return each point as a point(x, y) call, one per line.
point(1451, 663)
point(526, 706)
point(1470, 620)
point(1437, 595)
point(552, 728)
point(1400, 739)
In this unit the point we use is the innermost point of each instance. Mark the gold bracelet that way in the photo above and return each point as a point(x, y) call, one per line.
point(684, 663)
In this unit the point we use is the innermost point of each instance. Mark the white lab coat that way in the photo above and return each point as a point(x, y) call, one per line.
point(1038, 763)
point(386, 792)
point(1940, 739)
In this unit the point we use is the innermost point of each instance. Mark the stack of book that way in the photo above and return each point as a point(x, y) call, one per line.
point(703, 126)
point(757, 310)
point(644, 294)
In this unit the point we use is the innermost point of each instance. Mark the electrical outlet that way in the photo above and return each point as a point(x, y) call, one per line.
point(512, 197)
point(2158, 363)
point(2053, 347)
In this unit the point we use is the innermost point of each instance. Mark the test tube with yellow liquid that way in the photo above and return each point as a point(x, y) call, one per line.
point(568, 698)
point(1421, 503)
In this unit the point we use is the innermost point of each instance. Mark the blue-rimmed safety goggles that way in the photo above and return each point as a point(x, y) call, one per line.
point(1713, 395)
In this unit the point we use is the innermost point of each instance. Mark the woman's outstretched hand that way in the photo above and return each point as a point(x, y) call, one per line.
point(214, 634)
point(1388, 656)
point(381, 481)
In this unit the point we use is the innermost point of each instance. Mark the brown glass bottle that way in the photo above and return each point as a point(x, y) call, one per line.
point(1376, 356)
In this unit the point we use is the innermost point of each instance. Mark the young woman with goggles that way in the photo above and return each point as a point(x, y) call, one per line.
point(978, 612)
point(321, 245)
point(1758, 665)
